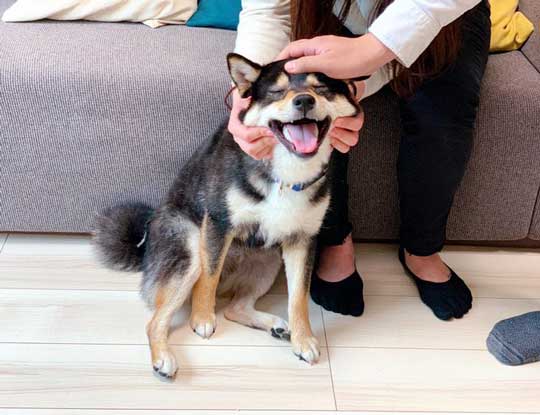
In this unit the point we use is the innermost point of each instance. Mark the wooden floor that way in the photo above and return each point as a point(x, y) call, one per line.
point(72, 341)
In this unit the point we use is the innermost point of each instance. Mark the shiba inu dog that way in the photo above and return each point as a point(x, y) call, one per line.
point(229, 220)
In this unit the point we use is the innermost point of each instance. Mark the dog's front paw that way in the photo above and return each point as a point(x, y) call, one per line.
point(204, 324)
point(164, 365)
point(306, 348)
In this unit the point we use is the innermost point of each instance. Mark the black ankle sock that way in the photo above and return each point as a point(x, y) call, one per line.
point(345, 296)
point(450, 299)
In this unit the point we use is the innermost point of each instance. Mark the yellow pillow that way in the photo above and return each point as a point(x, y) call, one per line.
point(509, 28)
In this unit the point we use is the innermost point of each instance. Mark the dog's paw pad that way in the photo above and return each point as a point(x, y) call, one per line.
point(204, 326)
point(165, 366)
point(307, 349)
point(280, 333)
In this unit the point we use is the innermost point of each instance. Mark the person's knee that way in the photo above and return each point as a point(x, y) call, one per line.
point(442, 115)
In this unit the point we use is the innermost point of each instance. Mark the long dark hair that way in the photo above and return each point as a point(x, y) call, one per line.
point(316, 17)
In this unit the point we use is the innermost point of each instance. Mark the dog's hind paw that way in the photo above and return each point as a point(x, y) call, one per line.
point(281, 331)
point(307, 349)
point(165, 366)
point(203, 325)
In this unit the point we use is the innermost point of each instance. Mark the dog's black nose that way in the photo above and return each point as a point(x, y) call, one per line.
point(304, 102)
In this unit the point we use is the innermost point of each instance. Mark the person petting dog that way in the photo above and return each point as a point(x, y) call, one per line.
point(433, 54)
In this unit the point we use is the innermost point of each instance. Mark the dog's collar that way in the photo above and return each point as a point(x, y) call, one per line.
point(298, 187)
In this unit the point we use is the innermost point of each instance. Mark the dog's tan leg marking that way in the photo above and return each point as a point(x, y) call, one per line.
point(203, 298)
point(169, 297)
point(167, 302)
point(298, 270)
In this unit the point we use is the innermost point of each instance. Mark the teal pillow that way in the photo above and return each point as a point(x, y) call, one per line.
point(216, 13)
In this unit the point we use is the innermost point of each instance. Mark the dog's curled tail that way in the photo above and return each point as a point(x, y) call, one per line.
point(118, 236)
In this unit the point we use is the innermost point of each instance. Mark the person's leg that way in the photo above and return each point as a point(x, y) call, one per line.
point(437, 129)
point(336, 226)
point(335, 284)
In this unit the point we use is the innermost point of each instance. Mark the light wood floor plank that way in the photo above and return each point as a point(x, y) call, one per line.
point(115, 317)
point(120, 377)
point(67, 262)
point(431, 380)
point(53, 295)
point(490, 272)
point(3, 238)
point(43, 261)
point(217, 412)
point(366, 413)
point(74, 273)
point(406, 322)
point(55, 411)
point(62, 273)
point(28, 244)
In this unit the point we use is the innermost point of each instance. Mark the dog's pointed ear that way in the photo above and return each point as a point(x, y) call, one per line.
point(243, 72)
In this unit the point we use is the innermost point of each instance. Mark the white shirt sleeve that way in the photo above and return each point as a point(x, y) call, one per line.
point(264, 29)
point(407, 27)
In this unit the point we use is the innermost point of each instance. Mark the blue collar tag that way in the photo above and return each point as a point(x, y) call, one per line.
point(298, 187)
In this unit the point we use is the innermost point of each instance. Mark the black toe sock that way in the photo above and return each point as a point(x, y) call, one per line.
point(450, 299)
point(345, 297)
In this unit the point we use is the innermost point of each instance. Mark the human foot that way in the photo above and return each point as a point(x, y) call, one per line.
point(428, 268)
point(447, 297)
point(336, 262)
point(336, 285)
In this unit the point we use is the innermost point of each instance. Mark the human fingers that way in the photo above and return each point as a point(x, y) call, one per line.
point(316, 63)
point(256, 148)
point(354, 123)
point(348, 137)
point(298, 48)
point(247, 134)
point(339, 145)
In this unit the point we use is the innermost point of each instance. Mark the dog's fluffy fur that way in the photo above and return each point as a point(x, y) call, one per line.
point(231, 219)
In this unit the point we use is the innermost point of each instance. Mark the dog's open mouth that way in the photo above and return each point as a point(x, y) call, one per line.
point(302, 137)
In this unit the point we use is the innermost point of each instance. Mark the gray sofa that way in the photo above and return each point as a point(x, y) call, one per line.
point(96, 113)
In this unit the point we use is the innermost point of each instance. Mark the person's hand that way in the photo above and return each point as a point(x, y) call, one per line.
point(345, 130)
point(258, 142)
point(337, 57)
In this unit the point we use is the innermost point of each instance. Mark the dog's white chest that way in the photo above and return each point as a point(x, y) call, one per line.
point(280, 215)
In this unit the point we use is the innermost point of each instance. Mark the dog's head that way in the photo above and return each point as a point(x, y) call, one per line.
point(298, 108)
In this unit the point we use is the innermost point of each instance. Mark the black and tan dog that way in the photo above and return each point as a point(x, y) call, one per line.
point(230, 220)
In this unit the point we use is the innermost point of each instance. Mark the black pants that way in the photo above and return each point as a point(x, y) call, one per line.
point(437, 125)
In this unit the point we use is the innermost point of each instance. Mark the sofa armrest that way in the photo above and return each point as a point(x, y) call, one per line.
point(531, 49)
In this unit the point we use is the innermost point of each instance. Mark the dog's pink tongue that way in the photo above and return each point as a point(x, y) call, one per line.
point(303, 136)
